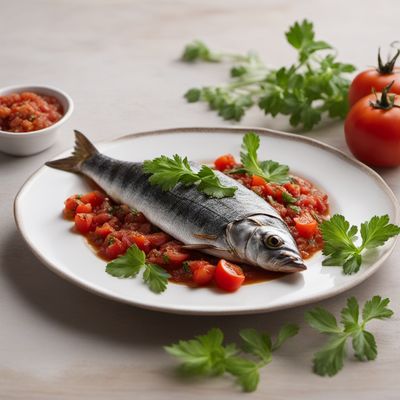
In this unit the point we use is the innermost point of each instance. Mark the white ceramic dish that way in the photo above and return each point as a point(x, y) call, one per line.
point(354, 190)
point(24, 144)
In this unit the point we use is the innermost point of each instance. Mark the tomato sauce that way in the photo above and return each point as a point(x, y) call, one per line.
point(112, 228)
point(28, 111)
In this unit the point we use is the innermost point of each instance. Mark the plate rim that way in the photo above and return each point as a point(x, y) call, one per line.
point(245, 311)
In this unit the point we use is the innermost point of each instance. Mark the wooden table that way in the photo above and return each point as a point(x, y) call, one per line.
point(119, 61)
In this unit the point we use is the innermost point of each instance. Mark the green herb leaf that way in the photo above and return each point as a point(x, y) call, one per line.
point(269, 170)
point(288, 198)
point(286, 332)
point(257, 343)
point(339, 240)
point(129, 265)
point(376, 308)
point(322, 320)
point(168, 172)
point(329, 360)
point(207, 355)
point(314, 86)
point(156, 278)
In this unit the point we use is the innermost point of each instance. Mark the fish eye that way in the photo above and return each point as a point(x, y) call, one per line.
point(273, 241)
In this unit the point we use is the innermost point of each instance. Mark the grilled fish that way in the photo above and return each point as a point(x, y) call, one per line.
point(243, 228)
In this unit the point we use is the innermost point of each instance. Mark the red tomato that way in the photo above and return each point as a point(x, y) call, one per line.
point(204, 273)
point(83, 222)
point(225, 162)
point(228, 276)
point(104, 230)
point(141, 241)
point(378, 79)
point(84, 208)
point(70, 206)
point(175, 256)
point(306, 225)
point(95, 198)
point(115, 248)
point(158, 238)
point(373, 134)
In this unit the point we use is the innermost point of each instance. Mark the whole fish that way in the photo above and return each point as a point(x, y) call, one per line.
point(243, 228)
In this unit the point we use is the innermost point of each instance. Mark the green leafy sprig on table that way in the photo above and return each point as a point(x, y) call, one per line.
point(130, 264)
point(168, 172)
point(269, 170)
point(339, 240)
point(329, 360)
point(206, 355)
point(313, 86)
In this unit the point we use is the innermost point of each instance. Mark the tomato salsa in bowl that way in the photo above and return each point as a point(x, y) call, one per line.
point(30, 117)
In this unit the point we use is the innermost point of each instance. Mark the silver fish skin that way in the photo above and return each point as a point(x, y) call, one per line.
point(243, 228)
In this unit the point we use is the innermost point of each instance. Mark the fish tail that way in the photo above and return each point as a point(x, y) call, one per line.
point(83, 150)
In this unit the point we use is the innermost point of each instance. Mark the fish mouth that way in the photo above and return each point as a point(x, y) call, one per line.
point(293, 266)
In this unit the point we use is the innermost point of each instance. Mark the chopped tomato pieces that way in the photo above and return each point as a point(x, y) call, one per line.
point(306, 225)
point(228, 276)
point(95, 198)
point(84, 208)
point(204, 273)
point(225, 162)
point(83, 222)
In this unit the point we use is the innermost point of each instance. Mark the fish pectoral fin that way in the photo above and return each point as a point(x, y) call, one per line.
point(202, 246)
point(205, 236)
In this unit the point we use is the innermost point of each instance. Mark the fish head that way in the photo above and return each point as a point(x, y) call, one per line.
point(265, 241)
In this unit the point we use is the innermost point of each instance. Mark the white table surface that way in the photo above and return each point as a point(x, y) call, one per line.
point(119, 62)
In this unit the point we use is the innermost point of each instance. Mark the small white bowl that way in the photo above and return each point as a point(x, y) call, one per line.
point(27, 143)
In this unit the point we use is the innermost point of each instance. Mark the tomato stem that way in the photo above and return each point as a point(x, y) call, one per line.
point(386, 102)
point(387, 68)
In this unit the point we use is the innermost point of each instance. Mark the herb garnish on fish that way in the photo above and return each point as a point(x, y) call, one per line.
point(168, 172)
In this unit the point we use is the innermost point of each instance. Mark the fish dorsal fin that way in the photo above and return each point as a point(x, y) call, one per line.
point(83, 150)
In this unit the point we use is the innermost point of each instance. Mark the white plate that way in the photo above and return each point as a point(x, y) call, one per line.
point(354, 191)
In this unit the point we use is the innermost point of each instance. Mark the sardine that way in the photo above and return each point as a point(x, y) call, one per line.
point(243, 228)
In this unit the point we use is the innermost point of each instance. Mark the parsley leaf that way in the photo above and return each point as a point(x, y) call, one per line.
point(339, 240)
point(207, 355)
point(168, 172)
point(314, 86)
point(269, 170)
point(329, 360)
point(129, 265)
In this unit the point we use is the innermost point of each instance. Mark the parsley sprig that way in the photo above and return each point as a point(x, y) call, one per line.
point(329, 360)
point(130, 264)
point(339, 240)
point(207, 355)
point(313, 86)
point(168, 172)
point(270, 170)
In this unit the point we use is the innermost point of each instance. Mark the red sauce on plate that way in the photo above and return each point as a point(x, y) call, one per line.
point(112, 228)
point(28, 111)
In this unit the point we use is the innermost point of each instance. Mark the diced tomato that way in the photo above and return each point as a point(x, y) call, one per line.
point(306, 225)
point(258, 181)
point(204, 274)
point(95, 198)
point(83, 222)
point(70, 206)
point(196, 264)
point(140, 240)
point(84, 208)
point(100, 219)
point(173, 253)
point(159, 238)
point(104, 230)
point(227, 161)
point(115, 248)
point(228, 276)
point(293, 189)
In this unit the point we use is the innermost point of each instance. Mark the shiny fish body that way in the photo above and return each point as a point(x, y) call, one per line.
point(237, 228)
